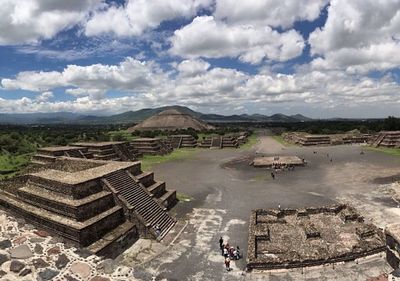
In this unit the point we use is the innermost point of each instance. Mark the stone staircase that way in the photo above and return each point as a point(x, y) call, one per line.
point(151, 146)
point(150, 212)
point(378, 140)
point(75, 206)
point(179, 141)
point(216, 142)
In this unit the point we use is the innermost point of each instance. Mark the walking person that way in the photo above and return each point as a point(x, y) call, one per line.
point(225, 252)
point(272, 175)
point(228, 264)
point(221, 245)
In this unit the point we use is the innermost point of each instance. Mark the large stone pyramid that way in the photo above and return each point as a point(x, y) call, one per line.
point(171, 119)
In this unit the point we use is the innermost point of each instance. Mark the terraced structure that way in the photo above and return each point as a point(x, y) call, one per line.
point(103, 206)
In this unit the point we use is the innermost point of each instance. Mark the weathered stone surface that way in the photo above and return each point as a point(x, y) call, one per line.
point(25, 272)
point(38, 249)
point(62, 261)
point(39, 263)
point(108, 266)
point(100, 278)
point(4, 257)
point(2, 273)
point(36, 240)
point(54, 251)
point(19, 240)
point(70, 278)
point(47, 274)
point(5, 244)
point(83, 253)
point(16, 266)
point(81, 269)
point(21, 252)
point(41, 233)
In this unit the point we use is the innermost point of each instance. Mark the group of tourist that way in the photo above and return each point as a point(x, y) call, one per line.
point(229, 253)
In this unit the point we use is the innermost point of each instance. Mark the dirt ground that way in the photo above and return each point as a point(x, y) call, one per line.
point(224, 189)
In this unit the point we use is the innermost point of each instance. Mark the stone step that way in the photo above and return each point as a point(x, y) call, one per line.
point(146, 178)
point(157, 189)
point(150, 211)
point(168, 200)
point(112, 242)
point(79, 209)
point(82, 233)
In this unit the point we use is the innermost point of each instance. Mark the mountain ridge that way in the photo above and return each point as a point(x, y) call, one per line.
point(138, 116)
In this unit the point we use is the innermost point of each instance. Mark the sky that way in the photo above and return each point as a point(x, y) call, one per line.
point(319, 58)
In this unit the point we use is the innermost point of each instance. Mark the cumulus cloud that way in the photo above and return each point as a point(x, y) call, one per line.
point(206, 37)
point(93, 80)
point(137, 16)
point(268, 12)
point(43, 97)
point(27, 21)
point(197, 84)
point(359, 36)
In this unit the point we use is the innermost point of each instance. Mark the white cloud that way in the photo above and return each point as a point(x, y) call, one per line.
point(197, 84)
point(45, 96)
point(209, 38)
point(93, 80)
point(268, 12)
point(192, 67)
point(137, 16)
point(359, 36)
point(27, 21)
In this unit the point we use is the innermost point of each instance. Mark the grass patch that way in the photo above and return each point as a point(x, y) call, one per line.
point(387, 150)
point(183, 197)
point(251, 141)
point(12, 164)
point(148, 161)
point(280, 139)
point(121, 135)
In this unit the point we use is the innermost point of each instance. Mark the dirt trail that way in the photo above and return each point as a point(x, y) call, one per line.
point(267, 145)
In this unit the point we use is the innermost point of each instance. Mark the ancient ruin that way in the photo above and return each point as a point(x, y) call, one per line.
point(115, 151)
point(103, 206)
point(281, 161)
point(182, 141)
point(171, 120)
point(392, 233)
point(304, 139)
point(289, 238)
point(231, 141)
point(151, 146)
point(387, 139)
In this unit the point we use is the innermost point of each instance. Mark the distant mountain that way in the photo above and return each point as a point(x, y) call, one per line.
point(138, 116)
point(39, 118)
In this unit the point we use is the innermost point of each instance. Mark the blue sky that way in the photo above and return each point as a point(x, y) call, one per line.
point(319, 58)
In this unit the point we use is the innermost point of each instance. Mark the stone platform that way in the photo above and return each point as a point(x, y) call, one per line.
point(103, 206)
point(290, 238)
point(271, 161)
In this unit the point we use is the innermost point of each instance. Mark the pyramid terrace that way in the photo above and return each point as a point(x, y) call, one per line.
point(289, 238)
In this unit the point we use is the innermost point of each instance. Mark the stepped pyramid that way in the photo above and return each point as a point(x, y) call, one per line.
point(388, 139)
point(103, 206)
point(171, 120)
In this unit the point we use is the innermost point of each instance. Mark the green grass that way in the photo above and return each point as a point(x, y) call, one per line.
point(122, 134)
point(251, 141)
point(280, 139)
point(11, 164)
point(148, 161)
point(183, 197)
point(387, 150)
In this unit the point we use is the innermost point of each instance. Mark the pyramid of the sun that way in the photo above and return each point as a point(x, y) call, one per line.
point(171, 119)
